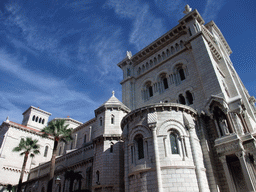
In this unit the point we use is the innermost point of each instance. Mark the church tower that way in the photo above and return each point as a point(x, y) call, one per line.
point(189, 106)
point(108, 148)
point(35, 118)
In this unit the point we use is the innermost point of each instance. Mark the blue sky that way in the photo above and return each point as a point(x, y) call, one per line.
point(61, 55)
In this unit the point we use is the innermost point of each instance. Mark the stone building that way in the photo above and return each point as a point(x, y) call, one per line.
point(187, 123)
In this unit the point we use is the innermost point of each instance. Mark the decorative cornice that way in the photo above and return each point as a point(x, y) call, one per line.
point(154, 107)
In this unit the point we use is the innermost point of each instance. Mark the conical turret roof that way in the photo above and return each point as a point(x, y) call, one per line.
point(113, 102)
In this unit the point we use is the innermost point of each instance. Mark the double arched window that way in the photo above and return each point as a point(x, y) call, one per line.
point(188, 100)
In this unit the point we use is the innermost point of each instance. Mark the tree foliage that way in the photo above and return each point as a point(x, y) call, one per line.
point(60, 132)
point(27, 147)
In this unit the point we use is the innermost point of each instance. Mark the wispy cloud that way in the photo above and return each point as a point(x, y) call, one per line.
point(40, 90)
point(172, 8)
point(145, 27)
point(123, 8)
point(212, 9)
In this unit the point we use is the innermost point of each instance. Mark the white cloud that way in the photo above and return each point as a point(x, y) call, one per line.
point(123, 8)
point(212, 9)
point(172, 8)
point(146, 29)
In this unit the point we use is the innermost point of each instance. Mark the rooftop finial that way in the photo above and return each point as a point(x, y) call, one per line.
point(7, 119)
point(113, 93)
point(187, 9)
point(129, 54)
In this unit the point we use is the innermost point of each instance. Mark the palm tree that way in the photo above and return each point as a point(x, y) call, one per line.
point(60, 132)
point(9, 187)
point(28, 146)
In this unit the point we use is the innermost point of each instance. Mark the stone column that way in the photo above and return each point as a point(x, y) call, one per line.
point(199, 175)
point(126, 166)
point(157, 159)
point(228, 175)
point(246, 173)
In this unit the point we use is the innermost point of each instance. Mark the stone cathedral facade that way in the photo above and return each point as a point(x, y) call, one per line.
point(186, 123)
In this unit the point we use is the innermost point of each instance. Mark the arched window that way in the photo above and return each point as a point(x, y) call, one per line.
point(143, 68)
point(97, 177)
point(147, 91)
point(189, 98)
point(139, 71)
point(151, 63)
point(168, 52)
point(33, 119)
point(155, 61)
point(46, 151)
point(163, 55)
point(181, 44)
point(177, 47)
point(40, 120)
point(43, 121)
point(36, 118)
point(181, 74)
point(159, 58)
point(112, 119)
point(174, 143)
point(147, 65)
point(172, 50)
point(182, 99)
point(128, 72)
point(139, 144)
point(101, 121)
point(85, 138)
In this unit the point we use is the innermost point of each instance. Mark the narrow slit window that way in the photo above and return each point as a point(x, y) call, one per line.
point(46, 151)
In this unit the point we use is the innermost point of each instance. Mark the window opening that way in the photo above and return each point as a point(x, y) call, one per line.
point(111, 148)
point(139, 140)
point(40, 120)
point(165, 83)
point(46, 151)
point(189, 97)
point(36, 118)
point(98, 177)
point(150, 90)
point(84, 138)
point(174, 143)
point(100, 121)
point(43, 121)
point(182, 99)
point(33, 119)
point(128, 72)
point(182, 74)
point(112, 119)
